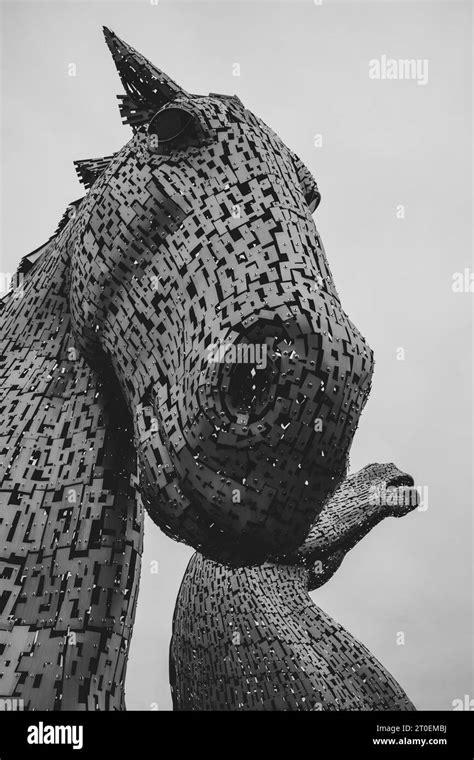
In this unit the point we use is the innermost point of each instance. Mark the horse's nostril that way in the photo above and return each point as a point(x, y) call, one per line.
point(401, 480)
point(250, 389)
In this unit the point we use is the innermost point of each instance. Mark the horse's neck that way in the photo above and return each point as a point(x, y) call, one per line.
point(68, 512)
point(40, 300)
point(48, 392)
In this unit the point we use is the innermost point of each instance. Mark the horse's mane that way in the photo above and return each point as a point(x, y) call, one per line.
point(87, 171)
point(30, 260)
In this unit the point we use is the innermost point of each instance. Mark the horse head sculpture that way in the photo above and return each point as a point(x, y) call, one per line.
point(198, 277)
point(179, 342)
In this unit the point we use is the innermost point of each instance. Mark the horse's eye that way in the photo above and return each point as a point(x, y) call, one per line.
point(171, 127)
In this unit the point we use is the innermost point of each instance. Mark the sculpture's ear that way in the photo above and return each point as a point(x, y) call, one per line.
point(147, 88)
point(308, 184)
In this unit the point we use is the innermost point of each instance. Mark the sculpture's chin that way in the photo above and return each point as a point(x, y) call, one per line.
point(233, 520)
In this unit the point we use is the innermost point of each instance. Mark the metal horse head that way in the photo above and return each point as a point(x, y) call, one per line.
point(199, 280)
